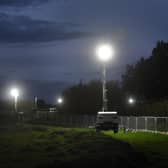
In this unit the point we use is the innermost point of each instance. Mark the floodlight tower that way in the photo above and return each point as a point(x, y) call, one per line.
point(104, 53)
point(15, 94)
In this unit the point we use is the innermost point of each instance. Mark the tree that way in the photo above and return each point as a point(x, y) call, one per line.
point(87, 98)
point(148, 77)
point(83, 98)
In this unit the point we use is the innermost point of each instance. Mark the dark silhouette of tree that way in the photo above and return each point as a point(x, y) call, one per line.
point(148, 77)
point(116, 96)
point(87, 98)
point(83, 98)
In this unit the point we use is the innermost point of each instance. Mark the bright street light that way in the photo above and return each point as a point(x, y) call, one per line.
point(131, 101)
point(105, 52)
point(59, 100)
point(15, 94)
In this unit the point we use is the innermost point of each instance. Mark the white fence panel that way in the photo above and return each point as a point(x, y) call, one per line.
point(144, 123)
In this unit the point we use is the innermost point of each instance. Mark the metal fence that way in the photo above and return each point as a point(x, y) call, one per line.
point(144, 123)
point(140, 123)
point(65, 120)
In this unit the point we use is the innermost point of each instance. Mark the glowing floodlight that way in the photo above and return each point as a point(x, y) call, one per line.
point(105, 52)
point(131, 101)
point(59, 100)
point(15, 92)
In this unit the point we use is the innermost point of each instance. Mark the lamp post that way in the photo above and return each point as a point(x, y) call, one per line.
point(105, 100)
point(104, 52)
point(15, 93)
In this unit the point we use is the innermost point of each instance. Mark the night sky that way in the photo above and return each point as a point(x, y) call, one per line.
point(55, 40)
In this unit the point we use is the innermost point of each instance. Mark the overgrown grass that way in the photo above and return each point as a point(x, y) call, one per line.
point(49, 147)
point(154, 146)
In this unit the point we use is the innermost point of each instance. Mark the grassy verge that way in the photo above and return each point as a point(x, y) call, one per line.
point(49, 147)
point(154, 146)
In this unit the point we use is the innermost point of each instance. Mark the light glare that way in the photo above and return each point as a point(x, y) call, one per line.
point(15, 92)
point(60, 100)
point(131, 101)
point(105, 52)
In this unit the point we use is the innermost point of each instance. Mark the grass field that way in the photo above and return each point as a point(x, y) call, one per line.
point(154, 146)
point(49, 147)
point(52, 147)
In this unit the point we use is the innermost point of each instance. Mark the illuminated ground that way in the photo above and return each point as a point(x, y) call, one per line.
point(154, 146)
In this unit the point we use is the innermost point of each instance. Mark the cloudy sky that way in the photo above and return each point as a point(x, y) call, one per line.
point(55, 40)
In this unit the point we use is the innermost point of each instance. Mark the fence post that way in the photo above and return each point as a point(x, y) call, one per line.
point(128, 122)
point(155, 124)
point(136, 123)
point(166, 124)
point(121, 122)
point(146, 124)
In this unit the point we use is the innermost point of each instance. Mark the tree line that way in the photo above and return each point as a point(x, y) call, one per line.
point(148, 77)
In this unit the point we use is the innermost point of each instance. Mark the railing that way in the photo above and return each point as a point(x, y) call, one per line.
point(66, 120)
point(144, 123)
point(136, 123)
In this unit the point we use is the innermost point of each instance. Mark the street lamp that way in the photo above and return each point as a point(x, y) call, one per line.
point(15, 93)
point(59, 100)
point(131, 101)
point(104, 53)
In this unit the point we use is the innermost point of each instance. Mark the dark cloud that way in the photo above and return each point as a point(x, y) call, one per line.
point(21, 2)
point(21, 29)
